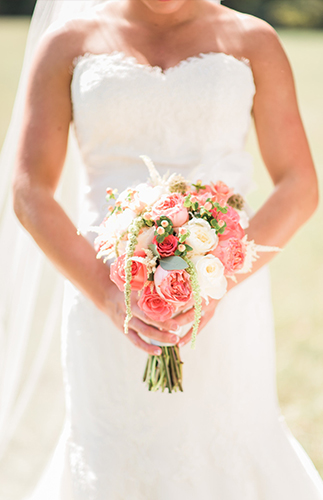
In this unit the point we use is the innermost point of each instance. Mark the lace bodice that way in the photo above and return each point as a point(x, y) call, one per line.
point(194, 116)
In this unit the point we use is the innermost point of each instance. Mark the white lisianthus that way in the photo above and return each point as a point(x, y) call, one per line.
point(122, 220)
point(210, 272)
point(202, 238)
point(244, 219)
point(150, 194)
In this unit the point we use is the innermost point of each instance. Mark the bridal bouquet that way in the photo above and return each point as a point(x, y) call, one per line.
point(176, 243)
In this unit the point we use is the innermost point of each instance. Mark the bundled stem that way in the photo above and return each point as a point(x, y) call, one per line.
point(164, 371)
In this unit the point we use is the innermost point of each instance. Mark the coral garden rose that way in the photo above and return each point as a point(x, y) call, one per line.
point(138, 271)
point(173, 286)
point(232, 219)
point(154, 306)
point(202, 238)
point(221, 192)
point(168, 247)
point(231, 253)
point(210, 272)
point(171, 206)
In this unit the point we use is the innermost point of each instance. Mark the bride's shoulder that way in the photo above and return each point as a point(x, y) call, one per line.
point(64, 41)
point(252, 37)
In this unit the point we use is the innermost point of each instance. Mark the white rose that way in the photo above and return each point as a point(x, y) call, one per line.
point(145, 238)
point(244, 219)
point(210, 272)
point(202, 237)
point(150, 194)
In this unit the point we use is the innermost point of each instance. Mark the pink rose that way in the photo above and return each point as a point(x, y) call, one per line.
point(221, 192)
point(232, 219)
point(231, 253)
point(138, 270)
point(172, 206)
point(173, 286)
point(168, 247)
point(154, 306)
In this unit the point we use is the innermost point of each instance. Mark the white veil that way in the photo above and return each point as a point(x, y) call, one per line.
point(28, 324)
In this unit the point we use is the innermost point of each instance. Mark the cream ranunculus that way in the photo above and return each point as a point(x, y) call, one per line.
point(210, 271)
point(202, 237)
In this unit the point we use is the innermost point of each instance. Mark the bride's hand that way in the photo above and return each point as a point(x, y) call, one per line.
point(140, 323)
point(188, 317)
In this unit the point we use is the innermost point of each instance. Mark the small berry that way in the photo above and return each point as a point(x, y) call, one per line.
point(164, 223)
point(160, 230)
point(181, 247)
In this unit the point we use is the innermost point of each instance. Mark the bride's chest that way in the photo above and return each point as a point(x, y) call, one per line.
point(210, 93)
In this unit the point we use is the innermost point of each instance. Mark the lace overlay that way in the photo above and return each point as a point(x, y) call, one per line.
point(223, 437)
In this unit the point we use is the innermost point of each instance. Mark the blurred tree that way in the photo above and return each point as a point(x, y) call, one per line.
point(17, 7)
point(288, 13)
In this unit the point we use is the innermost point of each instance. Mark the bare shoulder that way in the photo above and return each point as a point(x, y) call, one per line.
point(63, 42)
point(252, 37)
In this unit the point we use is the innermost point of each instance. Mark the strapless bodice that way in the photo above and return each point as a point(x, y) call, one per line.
point(193, 117)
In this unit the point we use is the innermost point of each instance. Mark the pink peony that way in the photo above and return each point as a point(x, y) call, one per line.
point(154, 306)
point(168, 247)
point(232, 253)
point(171, 206)
point(138, 270)
point(232, 219)
point(173, 286)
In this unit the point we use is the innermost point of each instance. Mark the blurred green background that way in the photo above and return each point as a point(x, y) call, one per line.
point(297, 273)
point(289, 13)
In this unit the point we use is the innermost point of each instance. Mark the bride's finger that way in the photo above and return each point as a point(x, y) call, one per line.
point(139, 342)
point(187, 338)
point(172, 325)
point(186, 317)
point(152, 332)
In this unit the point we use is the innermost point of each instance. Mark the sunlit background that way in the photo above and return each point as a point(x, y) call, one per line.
point(297, 273)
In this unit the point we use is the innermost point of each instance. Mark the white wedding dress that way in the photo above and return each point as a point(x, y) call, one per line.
point(224, 437)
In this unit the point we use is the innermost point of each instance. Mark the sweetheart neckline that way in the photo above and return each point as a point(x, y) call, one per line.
point(157, 69)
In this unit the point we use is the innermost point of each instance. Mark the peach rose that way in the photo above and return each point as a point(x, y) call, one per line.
point(232, 220)
point(138, 271)
point(232, 253)
point(221, 192)
point(154, 306)
point(171, 206)
point(173, 286)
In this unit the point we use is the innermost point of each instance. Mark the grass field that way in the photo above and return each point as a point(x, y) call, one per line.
point(297, 273)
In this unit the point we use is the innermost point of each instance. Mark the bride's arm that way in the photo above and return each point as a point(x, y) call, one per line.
point(284, 148)
point(40, 159)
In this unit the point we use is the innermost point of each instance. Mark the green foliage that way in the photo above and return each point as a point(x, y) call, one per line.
point(288, 13)
point(16, 7)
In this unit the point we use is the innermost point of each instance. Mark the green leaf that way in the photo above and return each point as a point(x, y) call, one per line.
point(222, 229)
point(188, 248)
point(150, 277)
point(173, 263)
point(154, 250)
point(214, 223)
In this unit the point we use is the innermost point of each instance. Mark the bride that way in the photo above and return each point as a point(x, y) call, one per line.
point(176, 80)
